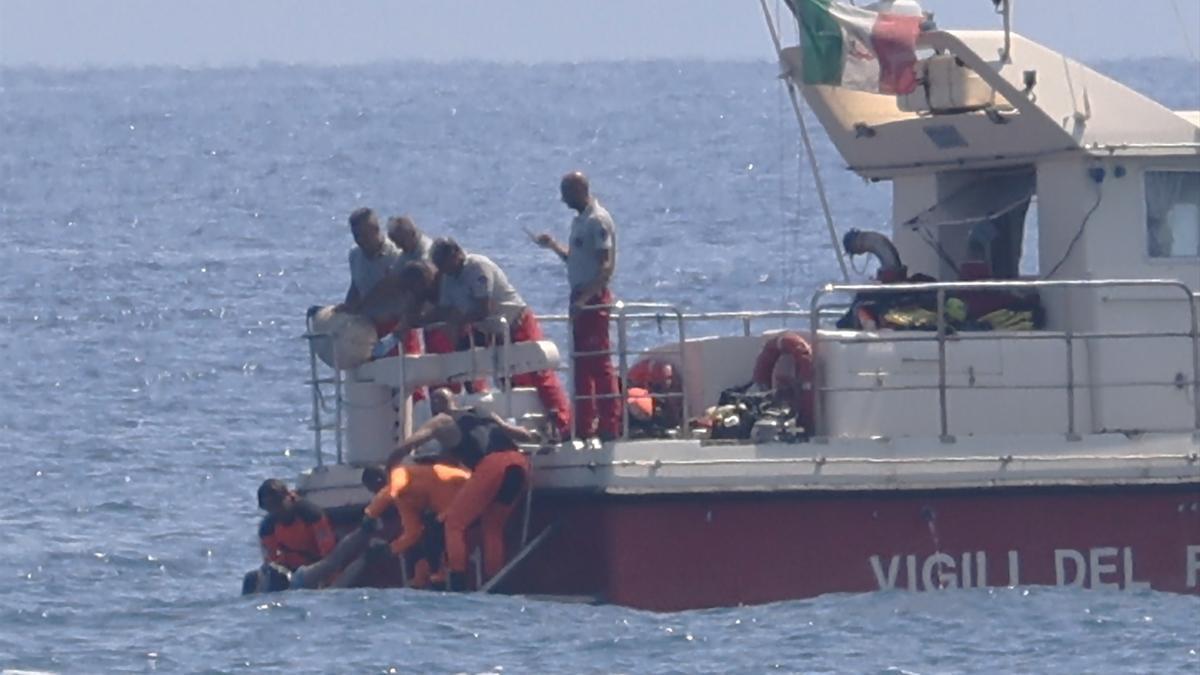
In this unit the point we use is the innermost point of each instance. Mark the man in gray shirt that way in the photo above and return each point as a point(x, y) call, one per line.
point(412, 242)
point(414, 246)
point(591, 259)
point(473, 290)
point(371, 261)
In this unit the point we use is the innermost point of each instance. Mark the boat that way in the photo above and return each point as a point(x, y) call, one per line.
point(1057, 445)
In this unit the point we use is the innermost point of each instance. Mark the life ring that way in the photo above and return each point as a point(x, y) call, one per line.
point(795, 373)
point(343, 340)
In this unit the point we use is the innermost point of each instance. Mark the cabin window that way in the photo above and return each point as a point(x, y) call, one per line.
point(1173, 214)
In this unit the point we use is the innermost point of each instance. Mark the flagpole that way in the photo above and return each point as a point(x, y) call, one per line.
point(808, 149)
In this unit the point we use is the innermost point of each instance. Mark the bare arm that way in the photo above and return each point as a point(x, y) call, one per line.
point(518, 433)
point(352, 298)
point(548, 242)
point(427, 432)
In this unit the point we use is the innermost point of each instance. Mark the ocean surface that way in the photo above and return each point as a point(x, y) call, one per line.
point(163, 232)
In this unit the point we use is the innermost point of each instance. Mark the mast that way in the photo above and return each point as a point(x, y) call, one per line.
point(808, 149)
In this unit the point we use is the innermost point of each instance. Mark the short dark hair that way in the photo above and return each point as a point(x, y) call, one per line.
point(372, 476)
point(416, 274)
point(396, 222)
point(361, 216)
point(442, 249)
point(272, 487)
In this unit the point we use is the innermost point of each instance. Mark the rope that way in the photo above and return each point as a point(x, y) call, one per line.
point(1078, 234)
point(812, 157)
point(1183, 31)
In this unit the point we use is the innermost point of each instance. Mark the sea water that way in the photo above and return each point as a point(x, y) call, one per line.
point(164, 231)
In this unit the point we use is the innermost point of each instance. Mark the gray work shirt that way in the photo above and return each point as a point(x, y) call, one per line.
point(424, 243)
point(592, 232)
point(481, 279)
point(366, 272)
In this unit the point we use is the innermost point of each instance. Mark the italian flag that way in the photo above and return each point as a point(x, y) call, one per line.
point(851, 47)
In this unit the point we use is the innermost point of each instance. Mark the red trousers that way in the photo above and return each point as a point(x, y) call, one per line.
point(477, 501)
point(594, 375)
point(550, 390)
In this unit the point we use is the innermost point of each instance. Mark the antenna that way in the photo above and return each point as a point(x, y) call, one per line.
point(1004, 8)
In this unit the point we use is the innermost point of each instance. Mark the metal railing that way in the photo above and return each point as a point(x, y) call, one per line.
point(660, 313)
point(320, 405)
point(330, 388)
point(628, 315)
point(942, 336)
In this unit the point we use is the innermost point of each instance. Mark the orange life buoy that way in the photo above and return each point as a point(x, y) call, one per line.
point(800, 377)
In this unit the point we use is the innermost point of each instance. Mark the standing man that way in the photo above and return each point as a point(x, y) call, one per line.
point(591, 259)
point(474, 290)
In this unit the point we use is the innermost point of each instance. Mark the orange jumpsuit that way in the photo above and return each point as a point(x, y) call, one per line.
point(303, 539)
point(499, 473)
point(415, 489)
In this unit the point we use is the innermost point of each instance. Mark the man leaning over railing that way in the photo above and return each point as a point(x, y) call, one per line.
point(474, 290)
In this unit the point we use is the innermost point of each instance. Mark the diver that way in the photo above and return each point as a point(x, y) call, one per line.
point(295, 531)
point(272, 577)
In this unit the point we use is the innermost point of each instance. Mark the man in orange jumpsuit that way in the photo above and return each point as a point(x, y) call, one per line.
point(416, 490)
point(295, 532)
point(487, 445)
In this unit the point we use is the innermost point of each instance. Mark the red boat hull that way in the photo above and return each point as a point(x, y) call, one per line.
point(675, 552)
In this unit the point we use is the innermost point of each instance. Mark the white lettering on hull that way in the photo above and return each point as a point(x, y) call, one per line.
point(1098, 567)
point(1078, 566)
point(885, 582)
point(1193, 565)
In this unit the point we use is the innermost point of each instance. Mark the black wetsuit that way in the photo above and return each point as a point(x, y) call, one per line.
point(481, 436)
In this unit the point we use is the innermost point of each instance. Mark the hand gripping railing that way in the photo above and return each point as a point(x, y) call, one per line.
point(1192, 300)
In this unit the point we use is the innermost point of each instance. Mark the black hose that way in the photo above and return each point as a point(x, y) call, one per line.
point(857, 242)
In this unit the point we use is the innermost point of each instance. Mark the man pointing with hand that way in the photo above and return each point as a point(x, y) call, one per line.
point(591, 258)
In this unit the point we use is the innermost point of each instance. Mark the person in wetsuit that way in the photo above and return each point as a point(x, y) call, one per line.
point(295, 531)
point(272, 577)
point(487, 446)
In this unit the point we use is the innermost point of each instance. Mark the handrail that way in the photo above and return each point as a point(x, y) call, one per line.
point(622, 352)
point(746, 317)
point(820, 310)
point(940, 336)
